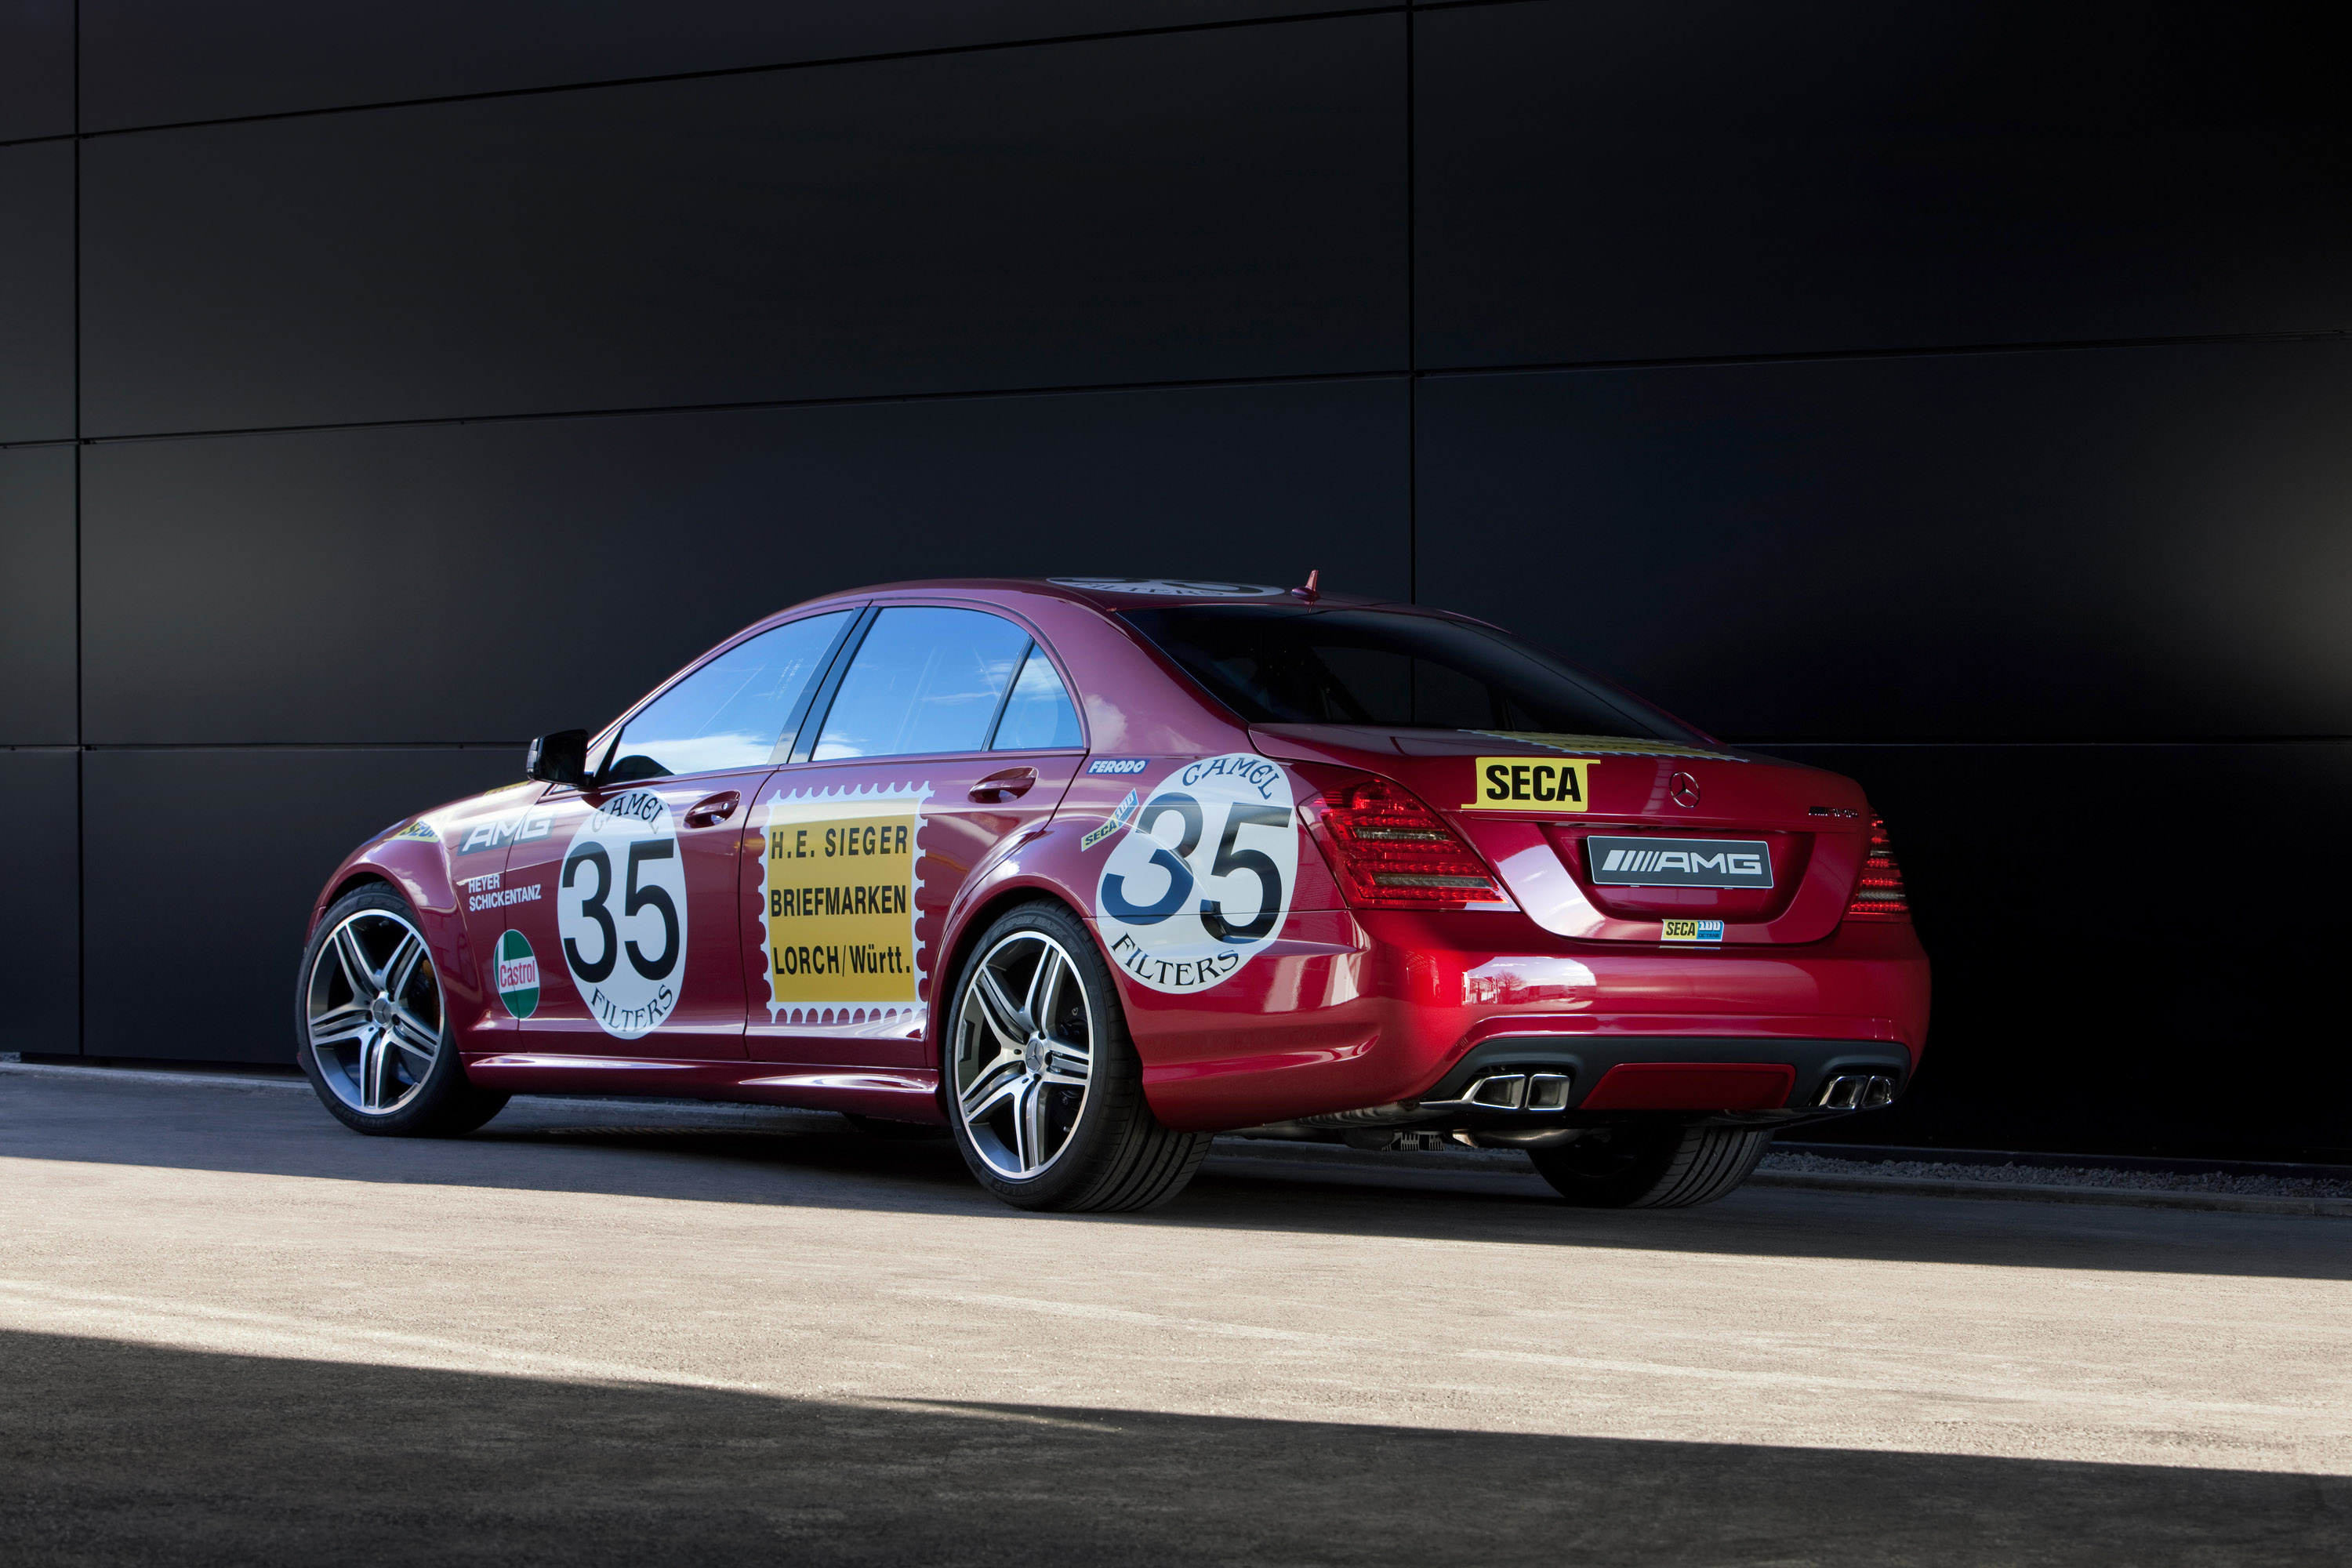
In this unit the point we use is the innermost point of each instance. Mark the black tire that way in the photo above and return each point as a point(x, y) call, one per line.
point(1652, 1167)
point(897, 1131)
point(417, 1099)
point(1112, 1153)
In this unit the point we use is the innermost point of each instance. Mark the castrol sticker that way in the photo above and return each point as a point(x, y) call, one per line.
point(1203, 878)
point(517, 974)
point(620, 905)
point(838, 904)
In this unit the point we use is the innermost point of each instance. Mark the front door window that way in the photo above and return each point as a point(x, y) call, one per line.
point(630, 903)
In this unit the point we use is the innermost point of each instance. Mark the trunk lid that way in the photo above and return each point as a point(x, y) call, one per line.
point(1612, 839)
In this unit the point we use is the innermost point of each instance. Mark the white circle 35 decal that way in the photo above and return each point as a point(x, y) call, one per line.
point(1203, 879)
point(621, 906)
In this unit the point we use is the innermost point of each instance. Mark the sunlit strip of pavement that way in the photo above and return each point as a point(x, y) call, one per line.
point(593, 1336)
point(1356, 1305)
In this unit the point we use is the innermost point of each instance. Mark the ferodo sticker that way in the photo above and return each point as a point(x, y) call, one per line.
point(517, 974)
point(1531, 783)
point(838, 904)
point(1203, 879)
point(621, 908)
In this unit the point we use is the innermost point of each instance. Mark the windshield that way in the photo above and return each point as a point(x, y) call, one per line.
point(1285, 663)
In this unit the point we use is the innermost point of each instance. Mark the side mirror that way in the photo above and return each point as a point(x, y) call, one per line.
point(561, 758)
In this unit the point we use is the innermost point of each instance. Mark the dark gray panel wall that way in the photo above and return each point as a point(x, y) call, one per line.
point(2121, 543)
point(284, 819)
point(154, 62)
point(36, 291)
point(1219, 203)
point(488, 582)
point(1709, 177)
point(2135, 946)
point(37, 698)
point(37, 69)
point(2049, 606)
point(40, 915)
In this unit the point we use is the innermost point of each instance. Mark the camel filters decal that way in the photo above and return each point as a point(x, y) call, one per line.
point(1203, 879)
point(517, 974)
point(621, 906)
point(837, 905)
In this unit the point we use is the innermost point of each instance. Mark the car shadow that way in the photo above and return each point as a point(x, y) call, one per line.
point(812, 1160)
point(123, 1453)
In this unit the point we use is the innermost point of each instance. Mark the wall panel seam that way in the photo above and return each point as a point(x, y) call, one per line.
point(978, 395)
point(1083, 389)
point(715, 73)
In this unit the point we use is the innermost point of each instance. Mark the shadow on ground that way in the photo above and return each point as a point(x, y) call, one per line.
point(814, 1161)
point(134, 1454)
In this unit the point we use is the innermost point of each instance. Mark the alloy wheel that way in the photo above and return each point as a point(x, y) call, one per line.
point(374, 1012)
point(1024, 1040)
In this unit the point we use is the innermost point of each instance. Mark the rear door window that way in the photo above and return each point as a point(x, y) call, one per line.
point(730, 712)
point(1038, 716)
point(925, 681)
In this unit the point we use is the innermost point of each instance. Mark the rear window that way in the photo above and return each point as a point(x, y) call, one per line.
point(1283, 664)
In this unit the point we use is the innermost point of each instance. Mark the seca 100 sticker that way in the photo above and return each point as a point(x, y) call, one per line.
point(1204, 878)
point(621, 908)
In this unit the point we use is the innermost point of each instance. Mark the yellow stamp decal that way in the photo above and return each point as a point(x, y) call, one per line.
point(838, 903)
point(1531, 783)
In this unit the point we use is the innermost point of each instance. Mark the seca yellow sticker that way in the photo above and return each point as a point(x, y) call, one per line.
point(1531, 783)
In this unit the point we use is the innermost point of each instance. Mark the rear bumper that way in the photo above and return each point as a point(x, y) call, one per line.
point(1379, 1009)
point(1805, 1069)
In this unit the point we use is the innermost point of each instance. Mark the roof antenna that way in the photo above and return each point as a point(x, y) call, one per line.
point(1310, 593)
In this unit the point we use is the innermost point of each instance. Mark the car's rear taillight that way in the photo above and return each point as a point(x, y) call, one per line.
point(1879, 895)
point(1388, 849)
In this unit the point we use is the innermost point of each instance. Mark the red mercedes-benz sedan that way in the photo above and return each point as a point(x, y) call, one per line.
point(1085, 870)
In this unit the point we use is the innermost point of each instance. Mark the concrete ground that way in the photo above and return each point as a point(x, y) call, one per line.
point(231, 1331)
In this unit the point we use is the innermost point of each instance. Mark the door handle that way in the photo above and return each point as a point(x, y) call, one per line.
point(712, 810)
point(1009, 784)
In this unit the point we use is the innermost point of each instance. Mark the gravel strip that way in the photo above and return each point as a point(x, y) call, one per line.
point(2062, 1176)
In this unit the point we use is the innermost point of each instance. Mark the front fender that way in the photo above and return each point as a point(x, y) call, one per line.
point(414, 860)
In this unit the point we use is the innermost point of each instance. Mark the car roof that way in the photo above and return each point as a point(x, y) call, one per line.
point(1104, 593)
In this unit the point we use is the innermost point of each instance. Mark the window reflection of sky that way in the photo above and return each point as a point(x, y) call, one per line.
point(925, 681)
point(1038, 716)
point(729, 713)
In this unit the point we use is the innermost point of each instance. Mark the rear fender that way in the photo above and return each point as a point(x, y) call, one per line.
point(1044, 862)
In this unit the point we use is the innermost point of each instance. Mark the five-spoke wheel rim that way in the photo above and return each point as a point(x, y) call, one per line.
point(374, 1010)
point(1024, 1054)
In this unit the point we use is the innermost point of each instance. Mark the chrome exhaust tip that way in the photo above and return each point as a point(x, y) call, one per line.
point(1857, 1092)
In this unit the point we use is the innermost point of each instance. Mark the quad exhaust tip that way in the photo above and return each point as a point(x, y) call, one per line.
point(1857, 1092)
point(1520, 1091)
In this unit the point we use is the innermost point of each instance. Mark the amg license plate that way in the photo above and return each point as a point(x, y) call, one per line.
point(1679, 862)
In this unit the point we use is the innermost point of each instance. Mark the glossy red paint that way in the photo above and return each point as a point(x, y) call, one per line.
point(1342, 1007)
